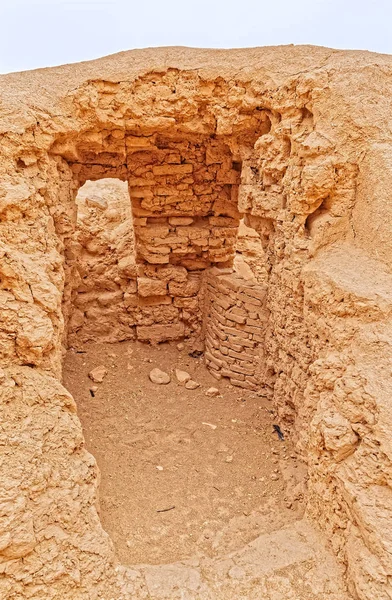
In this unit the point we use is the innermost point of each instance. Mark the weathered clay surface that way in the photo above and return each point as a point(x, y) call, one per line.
point(303, 136)
point(290, 563)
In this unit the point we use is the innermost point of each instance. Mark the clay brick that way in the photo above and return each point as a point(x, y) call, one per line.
point(232, 346)
point(213, 366)
point(237, 310)
point(140, 192)
point(180, 220)
point(210, 343)
point(166, 272)
point(241, 355)
point(223, 222)
point(228, 373)
point(243, 341)
point(222, 302)
point(151, 287)
point(216, 374)
point(160, 333)
point(217, 353)
point(241, 335)
point(251, 329)
point(229, 360)
point(220, 334)
point(249, 300)
point(216, 361)
point(186, 288)
point(236, 318)
point(170, 190)
point(218, 318)
point(188, 303)
point(251, 379)
point(244, 370)
point(172, 169)
point(145, 143)
point(216, 308)
point(140, 181)
point(245, 367)
point(156, 258)
point(247, 385)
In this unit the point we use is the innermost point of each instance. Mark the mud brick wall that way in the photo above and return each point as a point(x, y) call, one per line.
point(184, 196)
point(141, 256)
point(236, 319)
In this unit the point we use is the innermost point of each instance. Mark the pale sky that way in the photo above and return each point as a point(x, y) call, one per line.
point(40, 33)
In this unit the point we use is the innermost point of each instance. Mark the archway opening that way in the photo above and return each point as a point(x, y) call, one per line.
point(105, 271)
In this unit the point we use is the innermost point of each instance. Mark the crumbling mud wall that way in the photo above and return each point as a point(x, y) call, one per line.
point(305, 135)
point(249, 261)
point(106, 271)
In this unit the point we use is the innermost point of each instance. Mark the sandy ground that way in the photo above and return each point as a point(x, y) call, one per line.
point(182, 474)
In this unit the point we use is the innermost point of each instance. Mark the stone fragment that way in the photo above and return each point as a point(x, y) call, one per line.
point(212, 391)
point(182, 376)
point(192, 385)
point(98, 374)
point(151, 287)
point(159, 377)
point(180, 346)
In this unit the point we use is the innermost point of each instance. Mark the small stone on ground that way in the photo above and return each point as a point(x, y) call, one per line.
point(98, 374)
point(182, 376)
point(192, 385)
point(212, 391)
point(159, 377)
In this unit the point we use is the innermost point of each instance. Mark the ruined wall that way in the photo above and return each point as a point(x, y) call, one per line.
point(236, 318)
point(184, 192)
point(105, 270)
point(308, 127)
point(184, 201)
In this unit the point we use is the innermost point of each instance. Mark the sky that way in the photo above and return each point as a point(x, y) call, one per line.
point(41, 33)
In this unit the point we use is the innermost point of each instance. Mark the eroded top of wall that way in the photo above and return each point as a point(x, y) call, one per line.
point(347, 92)
point(357, 75)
